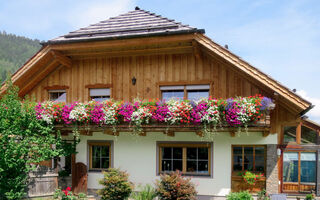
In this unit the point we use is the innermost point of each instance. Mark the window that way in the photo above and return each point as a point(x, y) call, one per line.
point(100, 94)
point(308, 136)
point(58, 95)
point(191, 92)
point(251, 158)
point(170, 92)
point(99, 155)
point(306, 161)
point(190, 159)
point(289, 134)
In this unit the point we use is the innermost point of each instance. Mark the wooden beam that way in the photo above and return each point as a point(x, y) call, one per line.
point(144, 133)
point(196, 49)
point(24, 89)
point(200, 133)
point(170, 133)
point(265, 133)
point(122, 43)
point(233, 133)
point(64, 60)
point(86, 132)
point(148, 51)
point(110, 132)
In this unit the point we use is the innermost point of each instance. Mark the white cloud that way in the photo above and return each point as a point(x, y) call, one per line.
point(315, 112)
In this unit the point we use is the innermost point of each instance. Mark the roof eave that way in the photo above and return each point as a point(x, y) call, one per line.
point(300, 102)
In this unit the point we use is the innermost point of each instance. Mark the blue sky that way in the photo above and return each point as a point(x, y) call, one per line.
point(282, 38)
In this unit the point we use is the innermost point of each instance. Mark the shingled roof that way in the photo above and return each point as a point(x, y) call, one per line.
point(137, 23)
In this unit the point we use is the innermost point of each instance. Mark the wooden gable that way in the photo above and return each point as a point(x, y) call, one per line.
point(103, 55)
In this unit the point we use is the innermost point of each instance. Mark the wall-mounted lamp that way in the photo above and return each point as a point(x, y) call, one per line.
point(278, 152)
point(133, 80)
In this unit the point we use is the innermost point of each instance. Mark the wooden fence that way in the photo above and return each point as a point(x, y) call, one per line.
point(43, 182)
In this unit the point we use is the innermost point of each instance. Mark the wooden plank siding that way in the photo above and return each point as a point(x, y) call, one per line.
point(151, 71)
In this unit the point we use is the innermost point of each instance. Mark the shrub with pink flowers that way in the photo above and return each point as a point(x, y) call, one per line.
point(236, 112)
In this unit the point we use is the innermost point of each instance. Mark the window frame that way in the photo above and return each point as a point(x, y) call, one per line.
point(184, 146)
point(298, 134)
point(235, 173)
point(90, 144)
point(299, 183)
point(57, 91)
point(185, 85)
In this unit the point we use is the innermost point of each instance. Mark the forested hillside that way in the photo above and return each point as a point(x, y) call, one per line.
point(14, 52)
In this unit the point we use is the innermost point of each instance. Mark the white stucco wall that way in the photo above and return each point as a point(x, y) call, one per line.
point(137, 155)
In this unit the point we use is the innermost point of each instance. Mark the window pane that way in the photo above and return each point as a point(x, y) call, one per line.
point(177, 153)
point(308, 136)
point(259, 150)
point(176, 94)
point(248, 158)
point(191, 166)
point(237, 158)
point(104, 151)
point(289, 134)
point(203, 154)
point(96, 151)
point(96, 163)
point(103, 98)
point(100, 156)
point(177, 165)
point(58, 96)
point(197, 94)
point(203, 167)
point(237, 163)
point(166, 165)
point(290, 167)
point(259, 166)
point(308, 167)
point(104, 163)
point(191, 153)
point(166, 153)
point(259, 159)
point(237, 150)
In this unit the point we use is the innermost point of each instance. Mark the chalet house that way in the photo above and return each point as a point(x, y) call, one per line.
point(141, 55)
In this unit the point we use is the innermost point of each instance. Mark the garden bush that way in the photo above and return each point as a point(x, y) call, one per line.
point(263, 195)
point(116, 185)
point(310, 197)
point(244, 195)
point(175, 187)
point(147, 193)
point(24, 140)
point(67, 195)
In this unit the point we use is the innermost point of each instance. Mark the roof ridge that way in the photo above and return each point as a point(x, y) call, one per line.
point(134, 23)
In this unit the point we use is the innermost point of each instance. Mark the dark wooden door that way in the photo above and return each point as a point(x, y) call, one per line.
point(80, 179)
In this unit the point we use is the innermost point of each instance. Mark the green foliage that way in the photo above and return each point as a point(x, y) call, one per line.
point(116, 185)
point(14, 52)
point(23, 140)
point(244, 195)
point(146, 193)
point(310, 197)
point(262, 195)
point(175, 187)
point(251, 178)
point(67, 195)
